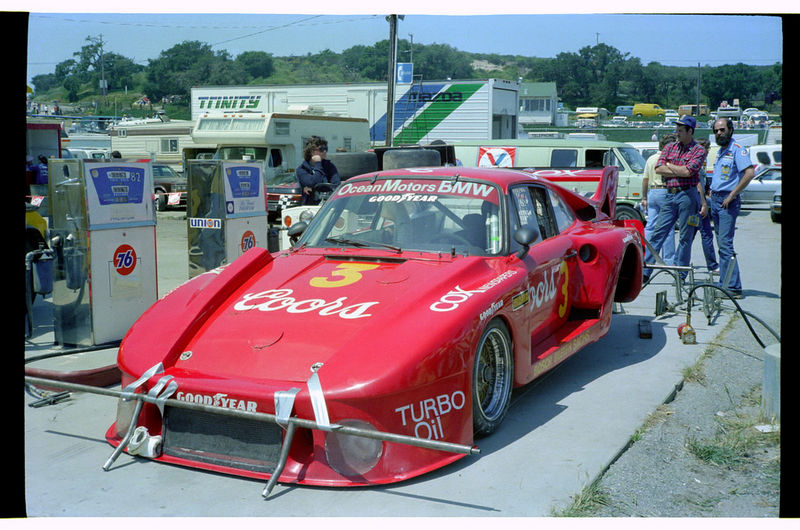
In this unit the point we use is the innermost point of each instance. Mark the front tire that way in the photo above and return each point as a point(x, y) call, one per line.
point(492, 379)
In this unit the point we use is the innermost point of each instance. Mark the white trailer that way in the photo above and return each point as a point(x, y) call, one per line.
point(423, 111)
point(278, 139)
point(162, 142)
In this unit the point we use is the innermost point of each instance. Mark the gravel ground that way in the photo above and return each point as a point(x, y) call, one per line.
point(717, 409)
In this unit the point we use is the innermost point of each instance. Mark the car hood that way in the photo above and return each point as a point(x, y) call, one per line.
point(312, 307)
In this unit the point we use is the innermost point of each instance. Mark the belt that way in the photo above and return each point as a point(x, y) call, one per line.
point(657, 187)
point(677, 189)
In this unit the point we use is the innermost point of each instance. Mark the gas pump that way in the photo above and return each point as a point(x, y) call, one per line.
point(226, 211)
point(104, 240)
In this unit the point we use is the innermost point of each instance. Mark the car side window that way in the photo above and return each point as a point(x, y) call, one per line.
point(564, 158)
point(533, 209)
point(595, 157)
point(562, 214)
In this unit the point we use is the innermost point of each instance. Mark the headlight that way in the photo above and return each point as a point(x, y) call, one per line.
point(352, 455)
point(306, 216)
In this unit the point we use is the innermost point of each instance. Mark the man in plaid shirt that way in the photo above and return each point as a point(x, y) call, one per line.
point(679, 166)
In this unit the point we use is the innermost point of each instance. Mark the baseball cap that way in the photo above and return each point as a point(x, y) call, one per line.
point(688, 121)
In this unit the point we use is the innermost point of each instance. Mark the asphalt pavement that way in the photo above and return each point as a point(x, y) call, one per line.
point(561, 432)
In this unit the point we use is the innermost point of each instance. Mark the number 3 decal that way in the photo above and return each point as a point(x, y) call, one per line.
point(562, 308)
point(348, 273)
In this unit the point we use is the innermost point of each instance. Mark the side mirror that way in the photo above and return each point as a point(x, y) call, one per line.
point(296, 230)
point(526, 236)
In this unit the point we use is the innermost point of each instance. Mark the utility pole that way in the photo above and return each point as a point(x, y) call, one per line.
point(392, 75)
point(698, 89)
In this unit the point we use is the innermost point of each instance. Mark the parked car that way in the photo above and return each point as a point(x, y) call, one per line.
point(671, 115)
point(763, 186)
point(412, 304)
point(86, 153)
point(746, 113)
point(169, 187)
point(775, 207)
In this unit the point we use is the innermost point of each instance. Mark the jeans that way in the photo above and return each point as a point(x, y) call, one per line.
point(725, 226)
point(677, 208)
point(655, 200)
point(707, 239)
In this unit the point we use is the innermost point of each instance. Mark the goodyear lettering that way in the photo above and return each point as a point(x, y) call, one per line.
point(217, 400)
point(426, 414)
point(496, 306)
point(281, 300)
point(406, 197)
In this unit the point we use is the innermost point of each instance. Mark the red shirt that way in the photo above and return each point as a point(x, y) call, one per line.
point(693, 156)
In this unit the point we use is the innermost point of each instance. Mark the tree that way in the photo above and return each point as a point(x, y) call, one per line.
point(256, 64)
point(188, 64)
point(728, 82)
point(441, 61)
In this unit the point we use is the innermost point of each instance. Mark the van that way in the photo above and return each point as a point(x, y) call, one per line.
point(691, 110)
point(564, 154)
point(648, 110)
point(767, 155)
point(646, 149)
point(624, 110)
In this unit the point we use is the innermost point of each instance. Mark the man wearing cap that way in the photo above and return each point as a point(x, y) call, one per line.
point(679, 166)
point(733, 171)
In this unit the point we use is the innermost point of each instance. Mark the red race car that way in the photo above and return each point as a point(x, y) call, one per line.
point(412, 305)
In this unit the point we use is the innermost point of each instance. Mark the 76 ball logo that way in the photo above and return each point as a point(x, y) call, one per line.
point(124, 259)
point(248, 241)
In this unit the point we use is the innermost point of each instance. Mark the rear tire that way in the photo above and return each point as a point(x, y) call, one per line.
point(492, 379)
point(625, 212)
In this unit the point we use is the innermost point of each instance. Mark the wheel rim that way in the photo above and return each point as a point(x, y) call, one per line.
point(492, 374)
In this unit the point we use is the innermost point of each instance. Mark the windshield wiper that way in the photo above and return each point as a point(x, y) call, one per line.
point(361, 244)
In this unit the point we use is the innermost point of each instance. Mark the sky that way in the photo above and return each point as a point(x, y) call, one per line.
point(679, 40)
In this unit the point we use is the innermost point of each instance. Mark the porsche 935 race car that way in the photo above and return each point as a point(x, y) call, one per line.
point(413, 303)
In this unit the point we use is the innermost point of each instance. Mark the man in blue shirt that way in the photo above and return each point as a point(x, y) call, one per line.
point(733, 171)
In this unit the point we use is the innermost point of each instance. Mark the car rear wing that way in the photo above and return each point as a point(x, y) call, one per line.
point(604, 200)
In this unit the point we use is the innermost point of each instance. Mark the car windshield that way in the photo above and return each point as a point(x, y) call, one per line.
point(634, 159)
point(164, 171)
point(447, 216)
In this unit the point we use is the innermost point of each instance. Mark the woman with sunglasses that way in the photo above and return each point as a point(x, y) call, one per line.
point(316, 169)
